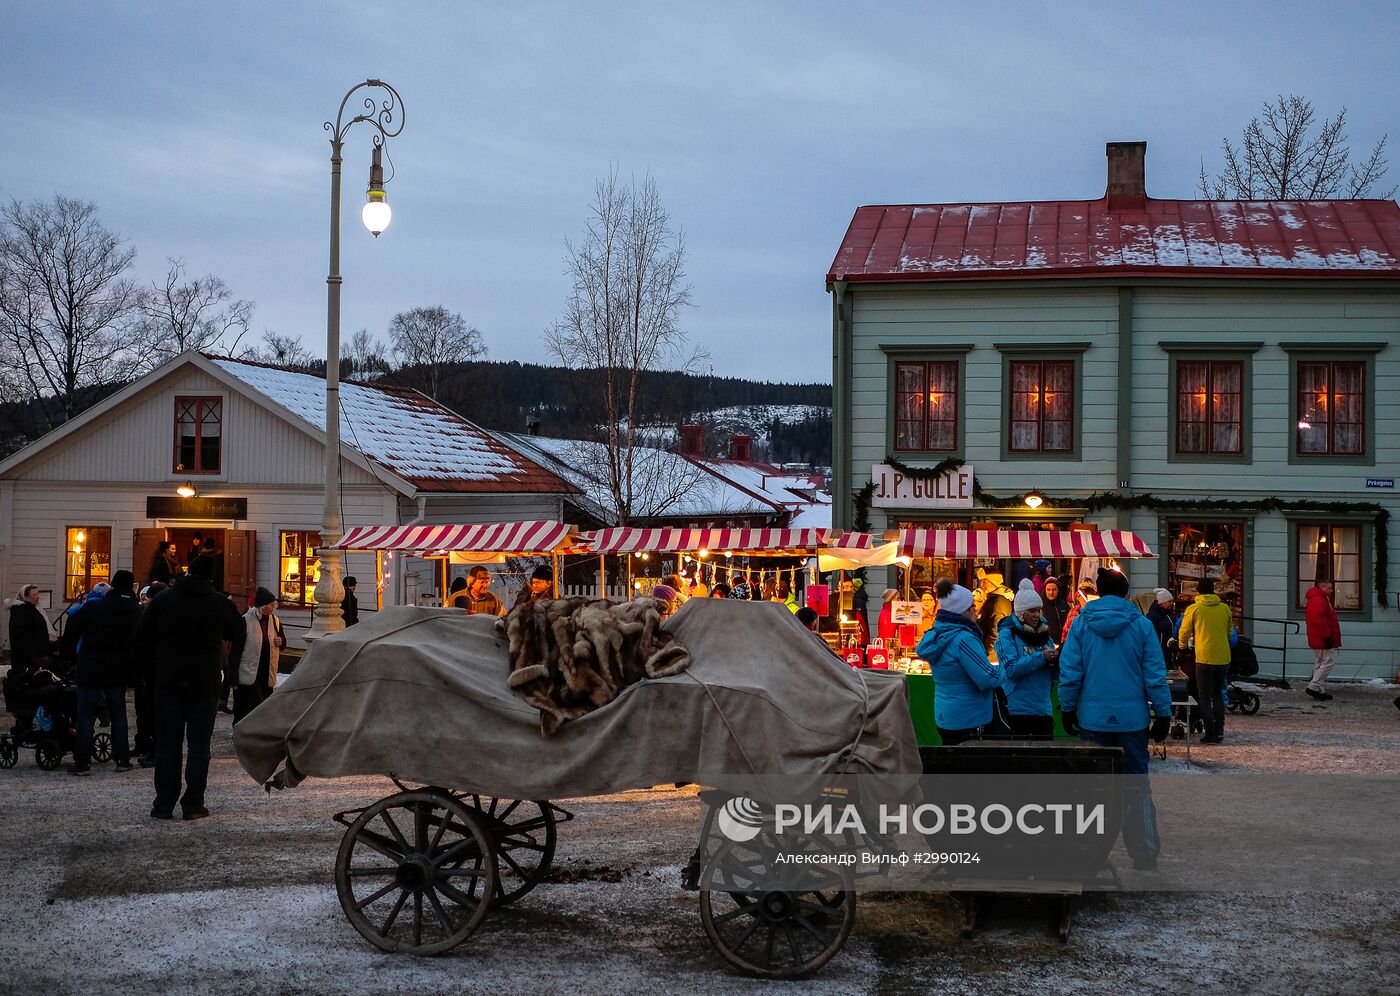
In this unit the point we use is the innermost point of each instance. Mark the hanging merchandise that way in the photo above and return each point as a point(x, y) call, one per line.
point(819, 599)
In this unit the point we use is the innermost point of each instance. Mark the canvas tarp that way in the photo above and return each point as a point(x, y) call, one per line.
point(420, 694)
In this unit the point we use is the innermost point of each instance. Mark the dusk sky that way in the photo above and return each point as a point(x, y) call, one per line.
point(196, 128)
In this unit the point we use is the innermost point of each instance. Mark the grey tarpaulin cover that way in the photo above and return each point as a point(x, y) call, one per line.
point(421, 694)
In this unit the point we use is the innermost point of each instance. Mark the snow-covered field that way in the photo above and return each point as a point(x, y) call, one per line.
point(101, 899)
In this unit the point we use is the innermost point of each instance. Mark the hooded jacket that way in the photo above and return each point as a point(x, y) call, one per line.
point(29, 637)
point(1207, 622)
point(99, 636)
point(1324, 631)
point(1026, 673)
point(1111, 667)
point(997, 606)
point(1162, 621)
point(963, 678)
point(181, 635)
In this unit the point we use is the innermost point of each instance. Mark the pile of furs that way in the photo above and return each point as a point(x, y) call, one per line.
point(568, 656)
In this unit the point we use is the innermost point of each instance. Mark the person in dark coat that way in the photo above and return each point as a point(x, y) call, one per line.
point(181, 640)
point(196, 548)
point(349, 605)
point(1055, 609)
point(540, 586)
point(163, 565)
point(143, 693)
point(30, 636)
point(99, 637)
point(1159, 614)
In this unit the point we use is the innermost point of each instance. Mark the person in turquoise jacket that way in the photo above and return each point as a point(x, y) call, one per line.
point(963, 677)
point(1027, 654)
point(1111, 669)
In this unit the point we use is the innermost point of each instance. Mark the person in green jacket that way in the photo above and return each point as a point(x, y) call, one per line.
point(1206, 627)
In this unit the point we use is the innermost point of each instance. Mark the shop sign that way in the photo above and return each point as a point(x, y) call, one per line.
point(1380, 482)
point(895, 490)
point(175, 507)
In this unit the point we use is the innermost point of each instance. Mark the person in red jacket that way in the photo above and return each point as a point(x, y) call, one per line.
point(1324, 636)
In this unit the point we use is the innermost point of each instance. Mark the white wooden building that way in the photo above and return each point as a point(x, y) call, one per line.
point(98, 494)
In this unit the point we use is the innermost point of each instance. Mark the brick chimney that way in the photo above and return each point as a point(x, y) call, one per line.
point(1127, 176)
point(741, 447)
point(693, 440)
point(532, 424)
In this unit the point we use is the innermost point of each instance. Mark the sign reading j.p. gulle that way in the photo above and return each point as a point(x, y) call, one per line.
point(896, 490)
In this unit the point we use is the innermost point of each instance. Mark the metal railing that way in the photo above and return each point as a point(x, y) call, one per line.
point(1285, 628)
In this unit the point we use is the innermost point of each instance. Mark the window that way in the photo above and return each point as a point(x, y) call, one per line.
point(1330, 553)
point(198, 435)
point(1209, 408)
point(87, 559)
point(926, 406)
point(1042, 406)
point(298, 568)
point(1331, 408)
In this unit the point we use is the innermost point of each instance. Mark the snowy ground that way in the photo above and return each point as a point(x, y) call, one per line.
point(101, 899)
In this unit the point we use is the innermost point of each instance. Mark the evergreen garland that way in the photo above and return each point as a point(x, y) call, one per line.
point(1121, 502)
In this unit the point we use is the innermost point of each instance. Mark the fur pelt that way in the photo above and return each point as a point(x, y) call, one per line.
point(568, 656)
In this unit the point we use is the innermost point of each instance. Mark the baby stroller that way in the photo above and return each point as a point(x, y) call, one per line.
point(1244, 663)
point(44, 709)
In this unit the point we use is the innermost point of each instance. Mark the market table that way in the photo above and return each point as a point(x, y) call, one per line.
point(920, 691)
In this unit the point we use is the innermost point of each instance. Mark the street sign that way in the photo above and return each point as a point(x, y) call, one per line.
point(1380, 482)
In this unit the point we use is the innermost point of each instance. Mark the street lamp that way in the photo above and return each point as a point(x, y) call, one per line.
point(384, 113)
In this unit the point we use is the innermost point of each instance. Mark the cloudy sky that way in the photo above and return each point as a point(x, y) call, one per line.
point(196, 128)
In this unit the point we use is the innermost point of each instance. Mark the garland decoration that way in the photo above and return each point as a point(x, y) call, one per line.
point(1118, 501)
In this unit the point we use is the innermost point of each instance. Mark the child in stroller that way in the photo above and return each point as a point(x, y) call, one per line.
point(44, 708)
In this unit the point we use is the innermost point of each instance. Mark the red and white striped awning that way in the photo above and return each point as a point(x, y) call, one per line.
point(1020, 544)
point(534, 536)
point(631, 539)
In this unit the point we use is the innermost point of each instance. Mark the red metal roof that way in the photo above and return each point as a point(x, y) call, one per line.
point(1308, 239)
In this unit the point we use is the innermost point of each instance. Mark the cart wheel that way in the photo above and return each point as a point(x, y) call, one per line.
point(102, 748)
point(48, 755)
point(525, 834)
point(416, 873)
point(1249, 705)
point(1232, 706)
point(9, 752)
point(774, 934)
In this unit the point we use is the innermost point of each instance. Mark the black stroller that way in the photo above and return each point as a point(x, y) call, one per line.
point(45, 712)
point(1244, 663)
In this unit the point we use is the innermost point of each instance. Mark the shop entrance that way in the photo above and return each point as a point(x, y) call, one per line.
point(1198, 550)
point(234, 555)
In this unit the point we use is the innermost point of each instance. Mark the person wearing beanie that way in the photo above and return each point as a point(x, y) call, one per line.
point(808, 618)
point(963, 677)
point(1087, 592)
point(540, 585)
point(98, 636)
point(677, 585)
point(180, 641)
point(350, 604)
point(1205, 627)
point(1159, 614)
point(1026, 654)
point(666, 600)
point(1040, 575)
point(1111, 672)
point(1055, 609)
point(995, 606)
point(257, 667)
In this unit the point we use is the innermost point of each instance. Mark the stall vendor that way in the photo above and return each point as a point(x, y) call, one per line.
point(478, 598)
point(540, 585)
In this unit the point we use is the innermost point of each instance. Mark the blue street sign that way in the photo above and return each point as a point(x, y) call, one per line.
point(1380, 482)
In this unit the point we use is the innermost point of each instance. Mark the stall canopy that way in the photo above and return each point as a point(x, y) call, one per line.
point(753, 542)
point(535, 536)
point(976, 544)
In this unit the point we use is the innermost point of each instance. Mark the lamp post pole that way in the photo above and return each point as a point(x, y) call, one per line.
point(385, 115)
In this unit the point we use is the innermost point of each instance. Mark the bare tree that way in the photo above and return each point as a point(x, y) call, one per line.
point(364, 356)
point(1280, 157)
point(429, 339)
point(65, 301)
point(282, 350)
point(180, 314)
point(623, 318)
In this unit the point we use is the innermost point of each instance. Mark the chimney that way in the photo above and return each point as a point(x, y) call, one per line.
point(1127, 176)
point(741, 447)
point(532, 424)
point(693, 440)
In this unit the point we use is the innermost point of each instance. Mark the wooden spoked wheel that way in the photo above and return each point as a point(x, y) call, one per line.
point(416, 872)
point(768, 932)
point(525, 834)
point(102, 748)
point(9, 752)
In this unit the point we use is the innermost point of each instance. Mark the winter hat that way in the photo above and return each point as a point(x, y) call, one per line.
point(890, 595)
point(1043, 564)
point(102, 587)
point(664, 592)
point(123, 581)
point(807, 617)
point(348, 581)
point(1163, 596)
point(993, 578)
point(543, 573)
point(202, 567)
point(958, 600)
point(1206, 587)
point(263, 597)
point(1026, 598)
point(1112, 582)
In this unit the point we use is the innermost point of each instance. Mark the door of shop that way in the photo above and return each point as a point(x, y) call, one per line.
point(236, 551)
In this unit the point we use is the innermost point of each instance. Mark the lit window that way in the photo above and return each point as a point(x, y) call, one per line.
point(87, 559)
point(1042, 406)
point(1330, 553)
point(1331, 408)
point(1209, 410)
point(926, 406)
point(298, 568)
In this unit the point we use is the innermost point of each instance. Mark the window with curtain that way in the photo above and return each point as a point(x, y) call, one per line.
point(198, 435)
point(87, 559)
point(1328, 552)
point(1331, 408)
point(1209, 406)
point(926, 406)
point(1042, 406)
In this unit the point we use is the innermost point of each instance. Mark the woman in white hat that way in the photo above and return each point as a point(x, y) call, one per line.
point(963, 677)
point(1027, 654)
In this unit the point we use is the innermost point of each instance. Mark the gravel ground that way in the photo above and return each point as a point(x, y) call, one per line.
point(101, 899)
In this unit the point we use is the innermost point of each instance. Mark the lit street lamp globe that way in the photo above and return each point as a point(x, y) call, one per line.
point(376, 214)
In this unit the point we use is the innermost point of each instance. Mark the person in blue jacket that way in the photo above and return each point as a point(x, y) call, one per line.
point(1111, 670)
point(1027, 654)
point(963, 677)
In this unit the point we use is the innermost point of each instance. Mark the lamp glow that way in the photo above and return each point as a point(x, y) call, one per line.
point(187, 490)
point(1034, 499)
point(376, 213)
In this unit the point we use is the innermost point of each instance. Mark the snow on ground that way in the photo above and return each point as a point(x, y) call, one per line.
point(101, 899)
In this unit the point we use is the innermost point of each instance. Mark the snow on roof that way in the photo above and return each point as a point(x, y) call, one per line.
point(815, 516)
point(430, 446)
point(665, 484)
point(1333, 238)
point(768, 482)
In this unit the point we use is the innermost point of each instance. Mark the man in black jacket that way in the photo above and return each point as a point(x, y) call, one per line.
point(99, 637)
point(181, 638)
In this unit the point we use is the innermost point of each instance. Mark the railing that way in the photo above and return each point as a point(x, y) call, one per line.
point(591, 591)
point(1285, 628)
